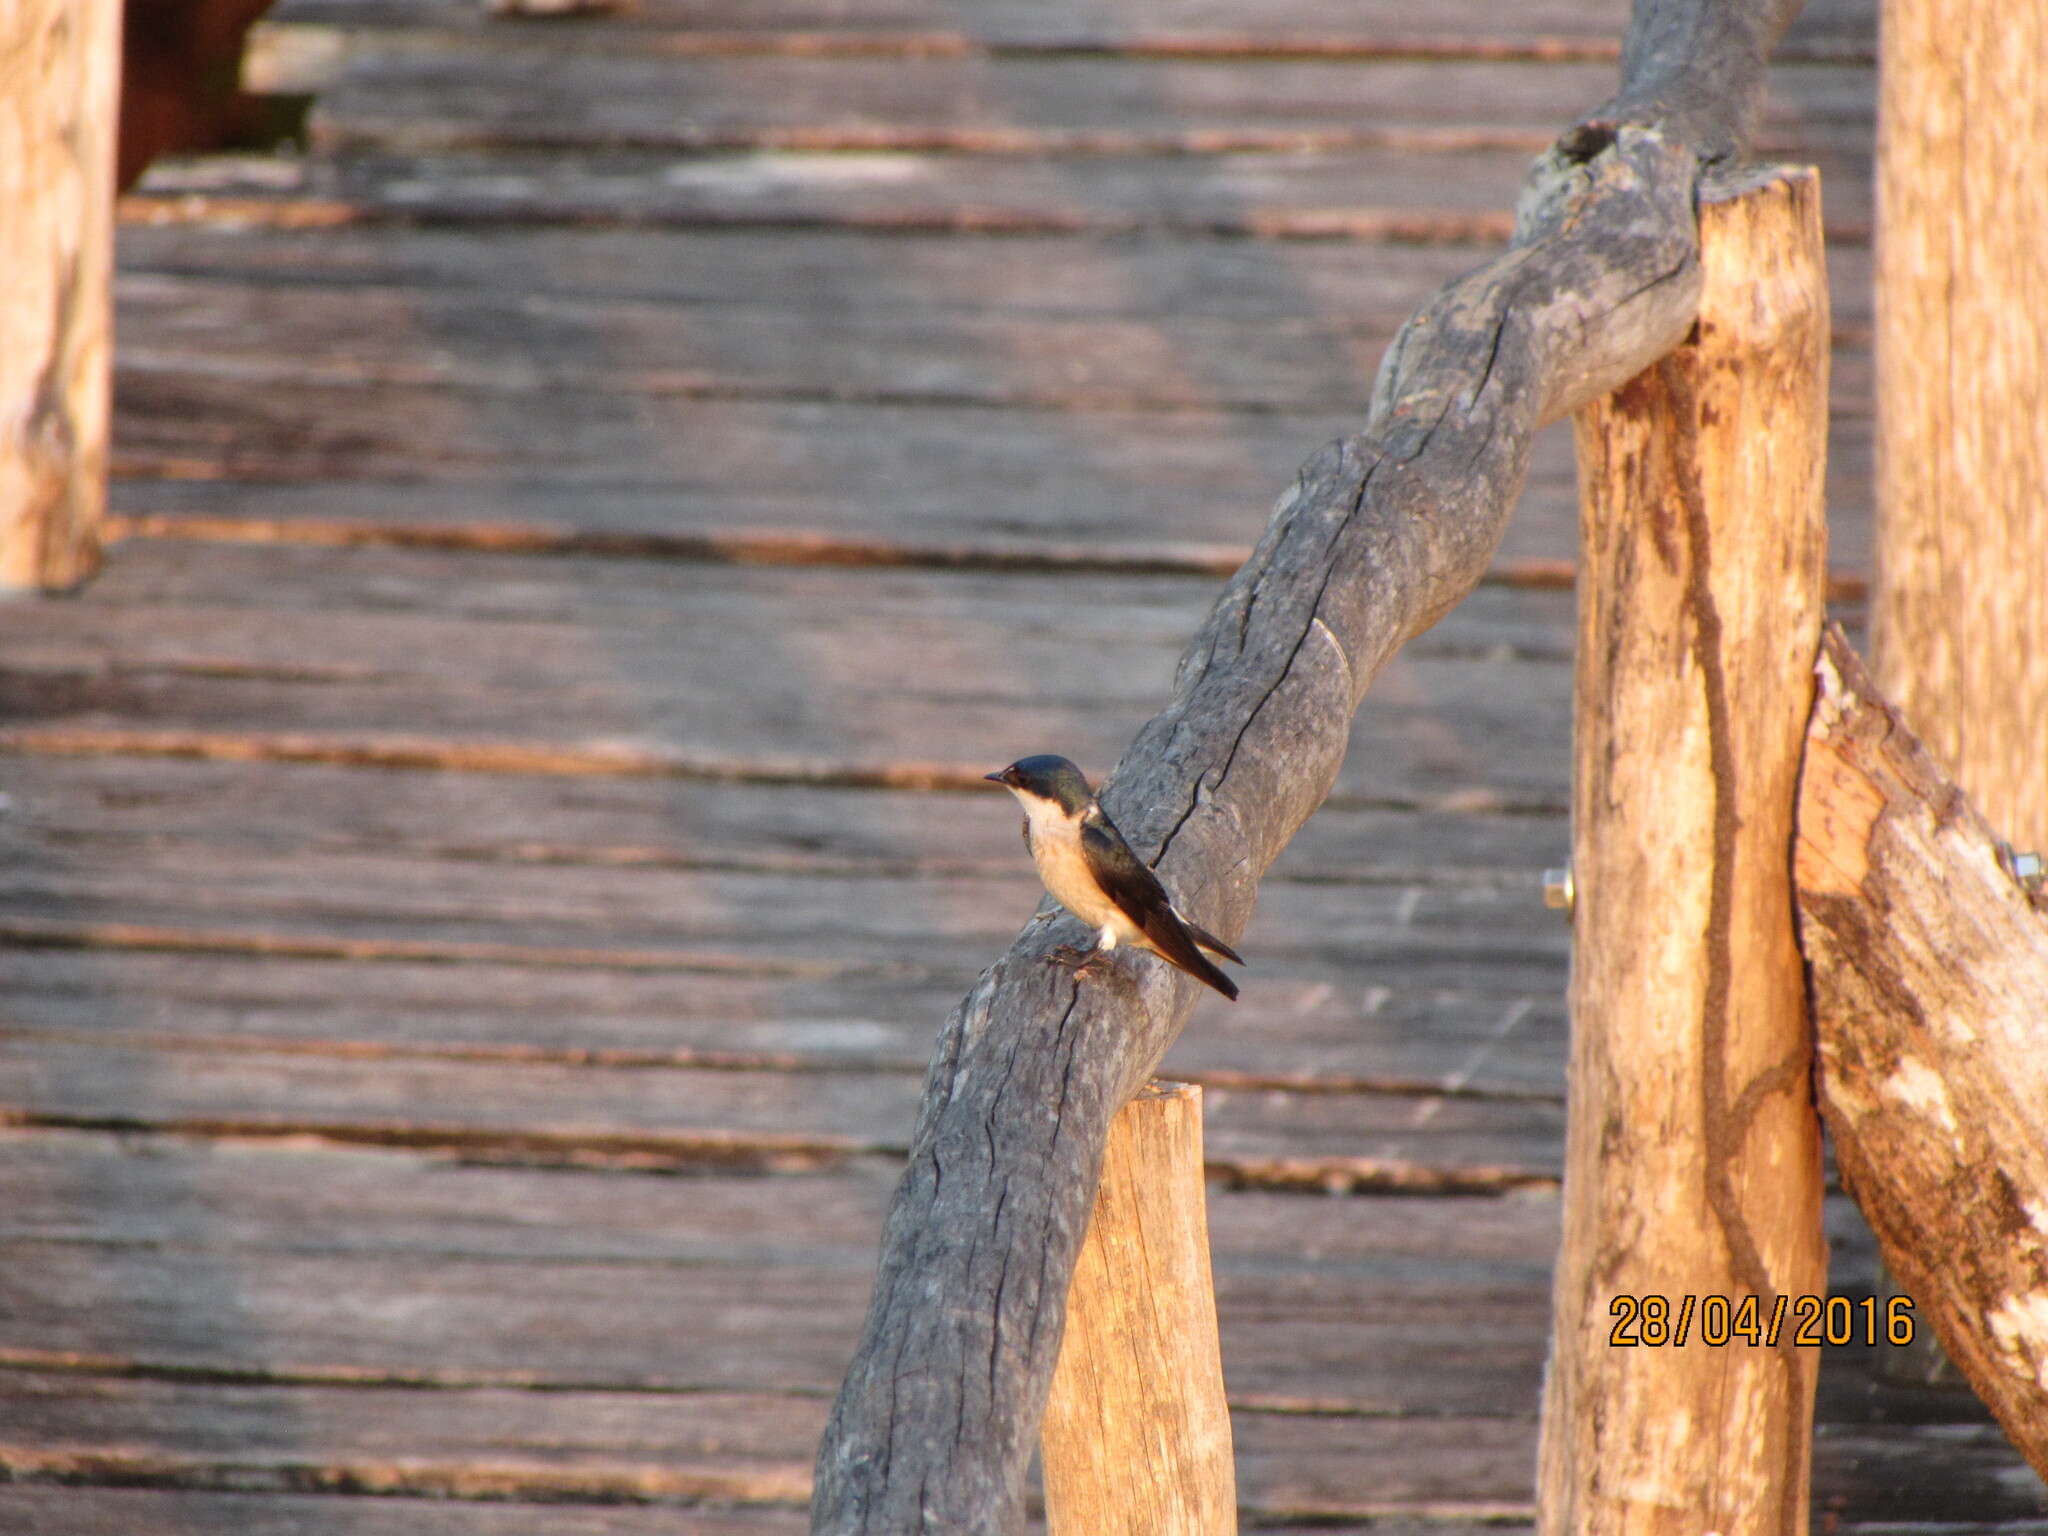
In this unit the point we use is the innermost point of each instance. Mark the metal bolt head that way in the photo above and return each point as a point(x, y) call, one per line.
point(1557, 889)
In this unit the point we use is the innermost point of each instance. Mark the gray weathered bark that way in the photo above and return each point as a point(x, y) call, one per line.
point(1380, 535)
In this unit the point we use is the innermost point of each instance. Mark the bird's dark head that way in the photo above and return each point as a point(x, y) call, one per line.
point(1047, 777)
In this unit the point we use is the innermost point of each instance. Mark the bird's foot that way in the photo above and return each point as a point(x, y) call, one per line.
point(1078, 959)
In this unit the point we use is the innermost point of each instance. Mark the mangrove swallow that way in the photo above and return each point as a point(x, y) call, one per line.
point(1091, 871)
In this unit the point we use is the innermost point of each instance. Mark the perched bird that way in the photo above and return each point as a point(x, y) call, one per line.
point(1091, 871)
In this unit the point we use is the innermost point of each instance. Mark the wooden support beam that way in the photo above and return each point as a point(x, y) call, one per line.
point(1930, 999)
point(1692, 1162)
point(1136, 1437)
point(1379, 536)
point(1959, 611)
point(59, 62)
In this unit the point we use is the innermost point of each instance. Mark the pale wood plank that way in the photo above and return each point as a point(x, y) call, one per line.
point(528, 91)
point(837, 667)
point(418, 96)
point(1459, 196)
point(497, 342)
point(1375, 1340)
point(607, 464)
point(1155, 276)
point(91, 809)
point(684, 1117)
point(173, 1511)
point(1000, 23)
point(270, 1197)
point(252, 1219)
point(1462, 1025)
point(928, 484)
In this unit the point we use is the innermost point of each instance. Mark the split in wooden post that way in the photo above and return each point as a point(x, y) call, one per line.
point(60, 60)
point(1692, 1164)
point(1136, 1437)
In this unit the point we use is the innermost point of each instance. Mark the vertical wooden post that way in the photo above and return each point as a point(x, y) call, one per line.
point(1136, 1437)
point(59, 68)
point(1960, 613)
point(1692, 1164)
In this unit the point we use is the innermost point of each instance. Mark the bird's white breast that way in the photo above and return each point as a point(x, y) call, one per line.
point(1056, 850)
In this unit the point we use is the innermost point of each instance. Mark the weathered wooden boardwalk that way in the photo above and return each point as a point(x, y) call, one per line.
point(487, 860)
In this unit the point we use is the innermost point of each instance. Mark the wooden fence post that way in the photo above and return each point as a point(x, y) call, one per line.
point(1959, 610)
point(1930, 995)
point(1136, 1437)
point(1692, 1164)
point(1959, 617)
point(59, 69)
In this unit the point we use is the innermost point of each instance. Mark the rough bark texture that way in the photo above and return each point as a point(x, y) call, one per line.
point(1930, 1004)
point(1692, 1163)
point(1137, 1432)
point(1379, 536)
point(1960, 617)
point(58, 63)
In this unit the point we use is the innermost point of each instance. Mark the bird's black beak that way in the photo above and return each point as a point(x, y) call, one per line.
point(1001, 777)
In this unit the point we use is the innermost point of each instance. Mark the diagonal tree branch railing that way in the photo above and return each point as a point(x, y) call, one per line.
point(1381, 534)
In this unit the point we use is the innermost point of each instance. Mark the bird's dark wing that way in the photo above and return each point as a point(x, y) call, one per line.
point(1126, 880)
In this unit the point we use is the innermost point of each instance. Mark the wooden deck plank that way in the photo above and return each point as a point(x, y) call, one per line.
point(705, 1447)
point(303, 1198)
point(998, 22)
point(93, 808)
point(685, 1118)
point(711, 665)
point(973, 485)
point(225, 1413)
point(441, 91)
point(1156, 277)
point(264, 381)
point(857, 921)
point(502, 341)
point(1461, 196)
point(1372, 1322)
point(889, 909)
point(1463, 1013)
point(1473, 1029)
point(962, 478)
point(1013, 23)
point(174, 1511)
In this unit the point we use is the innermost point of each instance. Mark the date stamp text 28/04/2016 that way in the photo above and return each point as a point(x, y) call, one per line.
point(1658, 1321)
